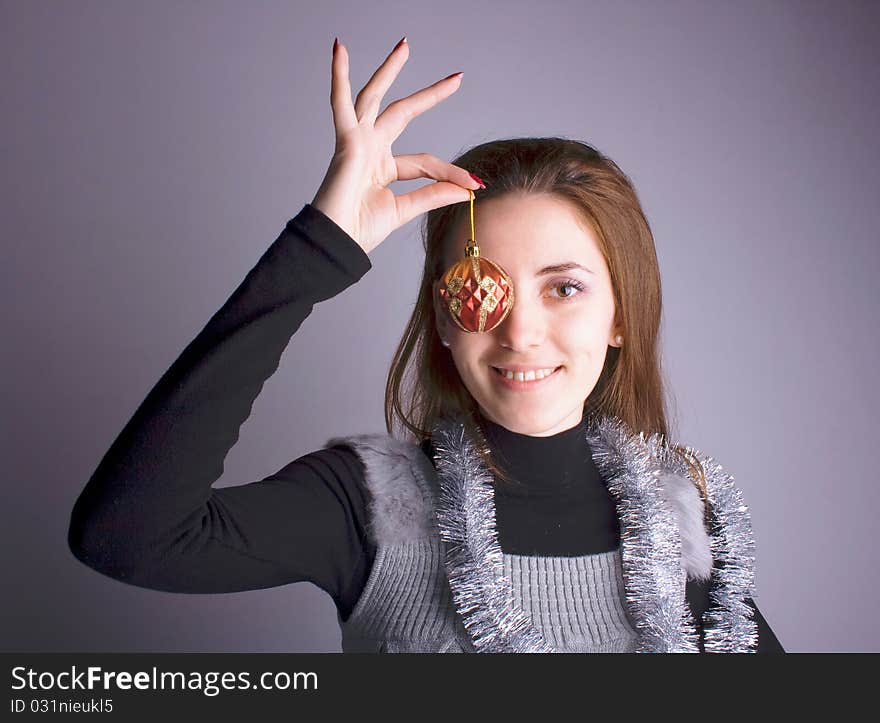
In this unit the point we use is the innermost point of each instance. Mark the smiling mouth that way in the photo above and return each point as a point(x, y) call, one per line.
point(534, 375)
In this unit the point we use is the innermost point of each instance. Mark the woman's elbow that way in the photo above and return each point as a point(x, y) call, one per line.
point(99, 548)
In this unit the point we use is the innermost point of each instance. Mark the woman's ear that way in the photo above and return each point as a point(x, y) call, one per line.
point(614, 337)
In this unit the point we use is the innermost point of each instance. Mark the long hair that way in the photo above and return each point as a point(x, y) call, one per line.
point(423, 383)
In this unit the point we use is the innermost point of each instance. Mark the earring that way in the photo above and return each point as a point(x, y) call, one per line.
point(444, 342)
point(477, 292)
point(619, 339)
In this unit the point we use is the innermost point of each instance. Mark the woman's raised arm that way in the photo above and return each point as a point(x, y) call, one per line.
point(149, 515)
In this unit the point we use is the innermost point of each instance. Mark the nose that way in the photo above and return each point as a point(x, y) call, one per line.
point(524, 327)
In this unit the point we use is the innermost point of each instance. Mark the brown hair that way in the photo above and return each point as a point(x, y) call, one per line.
point(630, 386)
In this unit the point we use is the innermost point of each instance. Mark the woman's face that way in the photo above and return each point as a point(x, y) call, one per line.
point(562, 318)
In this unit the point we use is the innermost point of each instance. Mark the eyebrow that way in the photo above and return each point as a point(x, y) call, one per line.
point(559, 268)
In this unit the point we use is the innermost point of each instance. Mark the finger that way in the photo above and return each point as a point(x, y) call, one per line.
point(424, 199)
point(426, 165)
point(369, 100)
point(395, 117)
point(344, 117)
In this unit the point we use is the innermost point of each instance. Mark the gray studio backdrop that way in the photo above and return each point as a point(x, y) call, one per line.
point(152, 151)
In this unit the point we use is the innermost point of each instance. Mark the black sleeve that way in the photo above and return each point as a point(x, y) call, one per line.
point(149, 515)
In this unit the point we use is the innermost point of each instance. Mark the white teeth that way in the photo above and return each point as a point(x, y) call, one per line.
point(529, 376)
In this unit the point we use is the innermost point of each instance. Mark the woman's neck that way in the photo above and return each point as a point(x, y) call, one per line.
point(541, 463)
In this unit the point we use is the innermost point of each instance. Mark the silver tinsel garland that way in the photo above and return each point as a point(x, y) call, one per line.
point(728, 625)
point(475, 566)
point(649, 540)
point(650, 546)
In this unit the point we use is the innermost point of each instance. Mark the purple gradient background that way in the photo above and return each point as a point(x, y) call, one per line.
point(152, 151)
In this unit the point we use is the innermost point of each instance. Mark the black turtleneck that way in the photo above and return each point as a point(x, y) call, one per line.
point(556, 503)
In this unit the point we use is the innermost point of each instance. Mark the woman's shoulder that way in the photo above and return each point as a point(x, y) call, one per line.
point(399, 477)
point(714, 518)
point(705, 499)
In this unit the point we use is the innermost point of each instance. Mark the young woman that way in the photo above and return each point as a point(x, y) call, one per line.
point(534, 504)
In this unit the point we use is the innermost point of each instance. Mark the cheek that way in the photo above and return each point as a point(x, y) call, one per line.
point(584, 334)
point(468, 352)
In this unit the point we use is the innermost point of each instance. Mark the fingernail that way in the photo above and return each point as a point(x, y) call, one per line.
point(402, 40)
point(453, 75)
point(477, 179)
point(335, 43)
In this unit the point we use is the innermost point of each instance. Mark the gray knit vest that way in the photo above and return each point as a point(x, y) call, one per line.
point(624, 600)
point(406, 606)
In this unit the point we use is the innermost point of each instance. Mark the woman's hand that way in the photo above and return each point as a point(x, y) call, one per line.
point(353, 193)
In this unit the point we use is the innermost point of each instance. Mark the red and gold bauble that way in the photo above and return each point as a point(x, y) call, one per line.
point(477, 292)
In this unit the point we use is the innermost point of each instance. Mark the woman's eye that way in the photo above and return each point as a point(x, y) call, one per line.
point(568, 289)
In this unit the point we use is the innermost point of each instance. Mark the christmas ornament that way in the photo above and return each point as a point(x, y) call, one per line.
point(477, 292)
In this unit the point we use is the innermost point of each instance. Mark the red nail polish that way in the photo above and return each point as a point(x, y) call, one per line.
point(477, 179)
